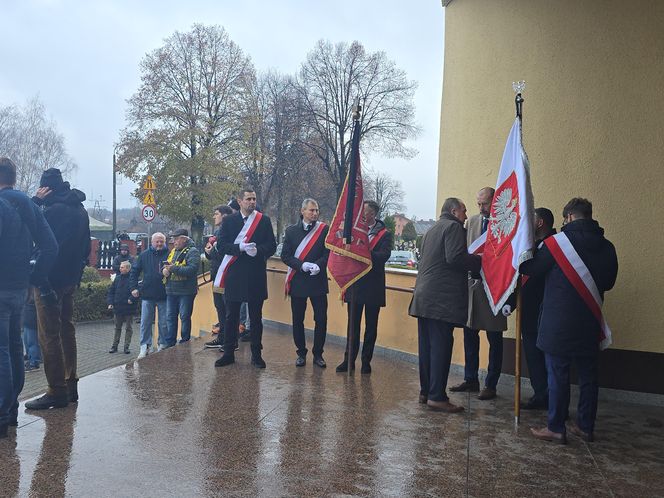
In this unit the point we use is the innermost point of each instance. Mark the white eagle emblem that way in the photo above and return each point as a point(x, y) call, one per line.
point(505, 216)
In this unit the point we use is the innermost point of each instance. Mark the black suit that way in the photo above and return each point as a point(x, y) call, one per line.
point(246, 278)
point(305, 286)
point(368, 294)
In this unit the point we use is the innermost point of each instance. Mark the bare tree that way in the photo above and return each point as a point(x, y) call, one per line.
point(184, 122)
point(385, 190)
point(33, 142)
point(330, 80)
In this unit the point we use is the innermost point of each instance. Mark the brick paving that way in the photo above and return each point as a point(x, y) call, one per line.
point(93, 339)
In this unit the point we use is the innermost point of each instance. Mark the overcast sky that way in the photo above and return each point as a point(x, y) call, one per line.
point(81, 58)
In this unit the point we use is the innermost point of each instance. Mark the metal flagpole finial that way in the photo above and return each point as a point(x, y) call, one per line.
point(518, 87)
point(357, 110)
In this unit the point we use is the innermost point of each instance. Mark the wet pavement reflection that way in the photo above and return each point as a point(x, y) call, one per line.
point(173, 425)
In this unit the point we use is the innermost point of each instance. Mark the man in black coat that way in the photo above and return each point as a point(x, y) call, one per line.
point(440, 301)
point(68, 219)
point(568, 330)
point(305, 253)
point(122, 256)
point(532, 295)
point(247, 241)
point(368, 293)
point(220, 212)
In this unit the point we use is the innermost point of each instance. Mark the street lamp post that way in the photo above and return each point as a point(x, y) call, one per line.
point(115, 221)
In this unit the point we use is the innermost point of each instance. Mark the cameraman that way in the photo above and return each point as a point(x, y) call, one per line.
point(215, 260)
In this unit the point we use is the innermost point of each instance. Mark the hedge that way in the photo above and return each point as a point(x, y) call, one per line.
point(90, 301)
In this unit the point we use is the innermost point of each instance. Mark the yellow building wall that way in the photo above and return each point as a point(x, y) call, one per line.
point(593, 126)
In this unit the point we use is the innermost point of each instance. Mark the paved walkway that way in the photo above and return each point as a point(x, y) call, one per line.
point(93, 340)
point(173, 425)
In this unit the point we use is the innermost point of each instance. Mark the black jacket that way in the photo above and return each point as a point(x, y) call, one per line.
point(65, 214)
point(370, 289)
point(304, 284)
point(22, 224)
point(119, 295)
point(148, 263)
point(120, 259)
point(247, 278)
point(214, 257)
point(532, 295)
point(567, 327)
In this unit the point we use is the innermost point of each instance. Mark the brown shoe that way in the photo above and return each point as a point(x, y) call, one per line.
point(576, 430)
point(487, 393)
point(423, 399)
point(470, 387)
point(444, 406)
point(546, 435)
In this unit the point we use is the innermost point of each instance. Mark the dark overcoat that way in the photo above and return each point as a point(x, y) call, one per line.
point(246, 280)
point(441, 288)
point(370, 289)
point(304, 284)
point(566, 326)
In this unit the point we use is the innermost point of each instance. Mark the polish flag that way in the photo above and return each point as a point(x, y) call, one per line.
point(510, 232)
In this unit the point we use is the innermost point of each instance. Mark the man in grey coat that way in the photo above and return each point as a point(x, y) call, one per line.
point(480, 316)
point(440, 301)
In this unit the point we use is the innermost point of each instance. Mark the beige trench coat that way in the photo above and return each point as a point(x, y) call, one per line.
point(480, 316)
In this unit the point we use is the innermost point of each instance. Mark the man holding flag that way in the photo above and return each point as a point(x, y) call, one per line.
point(305, 254)
point(578, 265)
point(247, 241)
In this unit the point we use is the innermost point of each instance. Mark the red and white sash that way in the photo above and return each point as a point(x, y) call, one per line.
point(375, 238)
point(577, 273)
point(244, 236)
point(477, 247)
point(303, 250)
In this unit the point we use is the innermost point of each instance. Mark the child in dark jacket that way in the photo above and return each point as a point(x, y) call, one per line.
point(123, 305)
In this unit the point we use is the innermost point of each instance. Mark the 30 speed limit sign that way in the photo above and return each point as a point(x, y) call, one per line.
point(149, 212)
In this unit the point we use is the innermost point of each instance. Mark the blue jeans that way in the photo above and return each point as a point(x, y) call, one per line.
point(147, 320)
point(31, 344)
point(12, 372)
point(183, 306)
point(471, 348)
point(558, 368)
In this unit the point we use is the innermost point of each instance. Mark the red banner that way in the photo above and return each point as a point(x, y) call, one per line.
point(348, 263)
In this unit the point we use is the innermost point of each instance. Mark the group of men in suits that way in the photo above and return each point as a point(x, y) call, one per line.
point(246, 241)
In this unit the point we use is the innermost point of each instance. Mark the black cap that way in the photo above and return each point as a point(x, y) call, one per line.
point(124, 247)
point(180, 232)
point(51, 178)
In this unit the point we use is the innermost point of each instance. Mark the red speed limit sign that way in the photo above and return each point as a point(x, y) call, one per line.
point(149, 212)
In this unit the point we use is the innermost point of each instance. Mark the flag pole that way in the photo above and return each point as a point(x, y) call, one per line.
point(518, 101)
point(348, 224)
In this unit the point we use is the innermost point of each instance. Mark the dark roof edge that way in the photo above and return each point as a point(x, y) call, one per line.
point(446, 2)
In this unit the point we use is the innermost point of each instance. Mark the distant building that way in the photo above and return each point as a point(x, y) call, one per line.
point(400, 221)
point(422, 226)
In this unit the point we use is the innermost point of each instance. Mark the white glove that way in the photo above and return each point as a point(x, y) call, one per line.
point(507, 310)
point(246, 245)
point(251, 250)
point(307, 267)
point(315, 269)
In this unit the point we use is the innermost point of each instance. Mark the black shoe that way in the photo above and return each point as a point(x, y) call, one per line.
point(47, 401)
point(72, 391)
point(215, 343)
point(114, 349)
point(126, 351)
point(302, 361)
point(469, 387)
point(366, 368)
point(182, 341)
point(245, 336)
point(535, 404)
point(3, 431)
point(319, 361)
point(227, 359)
point(221, 348)
point(343, 366)
point(257, 361)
